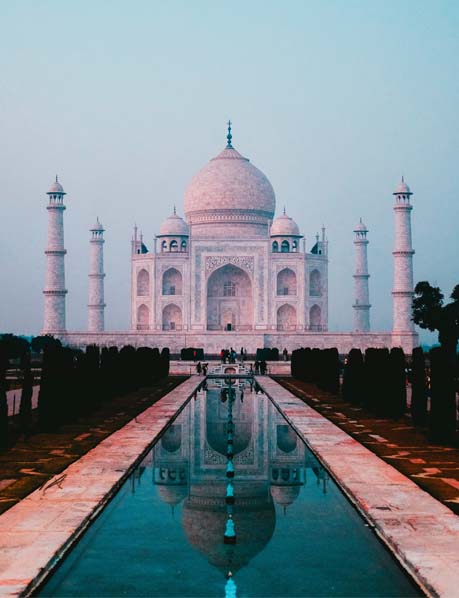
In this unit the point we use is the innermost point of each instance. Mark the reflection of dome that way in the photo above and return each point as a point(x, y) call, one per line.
point(204, 527)
point(285, 495)
point(229, 189)
point(284, 226)
point(172, 438)
point(217, 427)
point(172, 495)
point(286, 438)
point(173, 226)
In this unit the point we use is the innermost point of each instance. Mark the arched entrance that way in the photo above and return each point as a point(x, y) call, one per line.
point(229, 299)
point(172, 317)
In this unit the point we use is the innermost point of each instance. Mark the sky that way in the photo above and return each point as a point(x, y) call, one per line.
point(333, 100)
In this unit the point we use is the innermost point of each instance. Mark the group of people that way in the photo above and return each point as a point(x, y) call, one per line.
point(230, 355)
point(201, 368)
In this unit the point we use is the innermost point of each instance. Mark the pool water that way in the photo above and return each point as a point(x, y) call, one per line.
point(164, 532)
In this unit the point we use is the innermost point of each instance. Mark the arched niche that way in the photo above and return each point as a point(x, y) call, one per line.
point(315, 283)
point(143, 283)
point(286, 282)
point(315, 318)
point(285, 246)
point(286, 317)
point(172, 282)
point(143, 317)
point(172, 317)
point(275, 247)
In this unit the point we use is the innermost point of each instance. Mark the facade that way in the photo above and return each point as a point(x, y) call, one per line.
point(230, 273)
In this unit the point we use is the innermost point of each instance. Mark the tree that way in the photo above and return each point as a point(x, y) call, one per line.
point(41, 343)
point(430, 313)
point(15, 347)
point(3, 412)
point(418, 388)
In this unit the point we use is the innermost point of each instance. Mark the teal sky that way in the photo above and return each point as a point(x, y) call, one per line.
point(333, 101)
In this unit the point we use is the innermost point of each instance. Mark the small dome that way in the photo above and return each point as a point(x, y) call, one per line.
point(173, 226)
point(284, 226)
point(56, 187)
point(98, 226)
point(285, 495)
point(402, 188)
point(360, 227)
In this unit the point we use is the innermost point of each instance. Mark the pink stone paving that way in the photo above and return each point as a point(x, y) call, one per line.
point(38, 530)
point(419, 530)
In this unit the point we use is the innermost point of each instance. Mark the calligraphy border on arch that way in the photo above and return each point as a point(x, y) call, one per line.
point(214, 262)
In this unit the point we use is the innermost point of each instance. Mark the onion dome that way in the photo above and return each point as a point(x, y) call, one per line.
point(56, 187)
point(229, 190)
point(173, 226)
point(402, 188)
point(284, 226)
point(360, 227)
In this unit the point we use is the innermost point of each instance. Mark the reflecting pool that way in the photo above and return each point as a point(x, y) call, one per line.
point(182, 525)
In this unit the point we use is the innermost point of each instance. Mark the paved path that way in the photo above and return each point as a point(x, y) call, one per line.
point(423, 533)
point(39, 529)
point(13, 398)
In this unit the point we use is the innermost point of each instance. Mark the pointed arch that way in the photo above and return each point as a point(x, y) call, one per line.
point(315, 318)
point(285, 246)
point(172, 317)
point(286, 317)
point(315, 283)
point(286, 282)
point(275, 247)
point(143, 283)
point(143, 317)
point(172, 282)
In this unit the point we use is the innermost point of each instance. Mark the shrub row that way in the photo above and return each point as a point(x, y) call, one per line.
point(267, 354)
point(318, 366)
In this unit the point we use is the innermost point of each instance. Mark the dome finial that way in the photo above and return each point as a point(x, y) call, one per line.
point(57, 180)
point(284, 210)
point(175, 210)
point(229, 136)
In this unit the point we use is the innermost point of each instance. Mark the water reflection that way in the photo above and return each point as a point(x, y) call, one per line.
point(270, 463)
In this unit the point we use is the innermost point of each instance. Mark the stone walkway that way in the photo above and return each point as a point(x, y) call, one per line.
point(37, 531)
point(419, 530)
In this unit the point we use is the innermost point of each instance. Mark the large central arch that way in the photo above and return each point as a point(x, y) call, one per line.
point(229, 299)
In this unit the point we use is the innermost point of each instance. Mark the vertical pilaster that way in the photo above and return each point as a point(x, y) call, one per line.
point(55, 291)
point(403, 262)
point(96, 305)
point(361, 287)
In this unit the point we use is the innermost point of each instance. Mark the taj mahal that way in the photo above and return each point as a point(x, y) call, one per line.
point(230, 273)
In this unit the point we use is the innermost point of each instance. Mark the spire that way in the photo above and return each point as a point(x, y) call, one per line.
point(229, 137)
point(175, 210)
point(57, 180)
point(284, 210)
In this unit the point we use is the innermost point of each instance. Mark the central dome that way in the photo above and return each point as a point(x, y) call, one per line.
point(229, 190)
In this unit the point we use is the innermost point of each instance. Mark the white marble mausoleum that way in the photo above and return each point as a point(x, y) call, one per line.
point(230, 273)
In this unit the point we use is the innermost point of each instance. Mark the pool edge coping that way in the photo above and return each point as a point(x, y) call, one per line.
point(416, 570)
point(35, 503)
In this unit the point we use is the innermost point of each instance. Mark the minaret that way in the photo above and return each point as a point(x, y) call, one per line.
point(403, 263)
point(55, 291)
point(361, 276)
point(96, 303)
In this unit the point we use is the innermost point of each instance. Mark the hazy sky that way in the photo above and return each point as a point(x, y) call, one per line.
point(333, 101)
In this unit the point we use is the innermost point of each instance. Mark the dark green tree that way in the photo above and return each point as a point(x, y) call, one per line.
point(14, 347)
point(41, 343)
point(429, 312)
